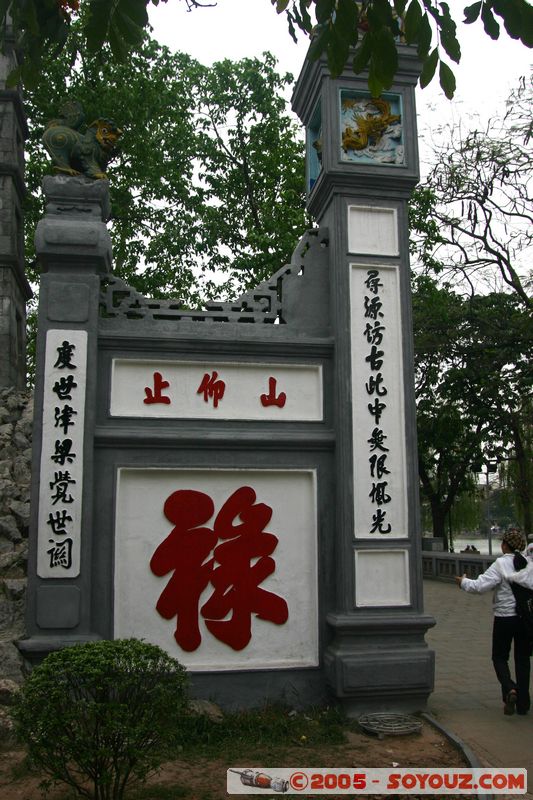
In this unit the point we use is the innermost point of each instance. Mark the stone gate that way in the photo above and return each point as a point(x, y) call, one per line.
point(238, 484)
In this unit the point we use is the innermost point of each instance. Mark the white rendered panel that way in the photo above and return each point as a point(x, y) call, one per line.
point(61, 476)
point(142, 527)
point(382, 578)
point(373, 231)
point(230, 391)
point(380, 491)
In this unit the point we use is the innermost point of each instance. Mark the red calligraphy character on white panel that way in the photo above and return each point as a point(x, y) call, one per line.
point(156, 395)
point(270, 399)
point(240, 561)
point(236, 580)
point(212, 387)
point(185, 552)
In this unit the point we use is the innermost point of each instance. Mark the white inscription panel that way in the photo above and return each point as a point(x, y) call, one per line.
point(382, 578)
point(209, 390)
point(219, 567)
point(60, 494)
point(373, 231)
point(380, 495)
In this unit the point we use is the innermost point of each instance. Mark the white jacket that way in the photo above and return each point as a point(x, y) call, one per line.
point(524, 577)
point(496, 577)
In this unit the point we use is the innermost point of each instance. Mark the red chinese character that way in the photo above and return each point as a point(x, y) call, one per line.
point(270, 399)
point(210, 387)
point(154, 395)
point(185, 551)
point(235, 579)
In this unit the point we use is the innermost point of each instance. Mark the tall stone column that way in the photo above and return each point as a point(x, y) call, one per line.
point(362, 164)
point(14, 288)
point(74, 250)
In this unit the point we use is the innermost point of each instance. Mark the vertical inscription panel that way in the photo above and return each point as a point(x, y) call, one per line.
point(61, 475)
point(380, 496)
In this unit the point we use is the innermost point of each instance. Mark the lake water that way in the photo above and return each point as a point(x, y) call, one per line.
point(482, 544)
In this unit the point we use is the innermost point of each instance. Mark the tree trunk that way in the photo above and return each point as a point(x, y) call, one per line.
point(524, 479)
point(438, 516)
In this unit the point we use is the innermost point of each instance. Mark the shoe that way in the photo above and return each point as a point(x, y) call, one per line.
point(522, 712)
point(510, 703)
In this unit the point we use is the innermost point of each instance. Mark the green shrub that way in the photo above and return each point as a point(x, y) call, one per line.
point(101, 716)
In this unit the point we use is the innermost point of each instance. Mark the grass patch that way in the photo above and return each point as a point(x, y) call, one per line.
point(265, 729)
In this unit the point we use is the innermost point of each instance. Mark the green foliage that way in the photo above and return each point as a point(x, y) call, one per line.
point(120, 23)
point(471, 230)
point(473, 387)
point(520, 465)
point(44, 30)
point(101, 716)
point(339, 25)
point(207, 190)
point(467, 512)
point(502, 506)
point(378, 26)
point(451, 433)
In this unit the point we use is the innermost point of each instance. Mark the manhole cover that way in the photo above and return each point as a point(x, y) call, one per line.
point(389, 724)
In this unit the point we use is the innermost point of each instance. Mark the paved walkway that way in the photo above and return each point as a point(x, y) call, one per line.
point(467, 699)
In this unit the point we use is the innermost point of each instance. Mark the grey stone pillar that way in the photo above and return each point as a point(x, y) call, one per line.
point(74, 250)
point(14, 288)
point(362, 164)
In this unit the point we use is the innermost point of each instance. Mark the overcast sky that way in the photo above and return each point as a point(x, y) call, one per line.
point(245, 28)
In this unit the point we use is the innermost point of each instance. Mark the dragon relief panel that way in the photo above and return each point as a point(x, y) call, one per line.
point(371, 128)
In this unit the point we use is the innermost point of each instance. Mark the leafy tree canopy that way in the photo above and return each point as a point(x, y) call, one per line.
point(473, 378)
point(207, 189)
point(471, 225)
point(373, 27)
point(474, 211)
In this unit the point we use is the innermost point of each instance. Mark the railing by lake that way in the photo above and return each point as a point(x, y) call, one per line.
point(445, 566)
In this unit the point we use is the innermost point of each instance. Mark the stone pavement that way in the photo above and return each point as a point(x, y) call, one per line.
point(467, 700)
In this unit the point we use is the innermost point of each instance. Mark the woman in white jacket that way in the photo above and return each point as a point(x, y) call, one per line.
point(508, 627)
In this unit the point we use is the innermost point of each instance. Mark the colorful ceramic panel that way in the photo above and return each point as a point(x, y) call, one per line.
point(371, 128)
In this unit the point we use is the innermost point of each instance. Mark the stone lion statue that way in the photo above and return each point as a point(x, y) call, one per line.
point(76, 153)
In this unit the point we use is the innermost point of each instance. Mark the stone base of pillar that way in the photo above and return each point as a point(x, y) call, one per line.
point(380, 663)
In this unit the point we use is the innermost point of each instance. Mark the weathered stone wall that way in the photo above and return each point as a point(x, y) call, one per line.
point(12, 325)
point(16, 411)
point(14, 287)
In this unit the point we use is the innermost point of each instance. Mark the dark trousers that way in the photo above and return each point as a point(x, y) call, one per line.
point(505, 631)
